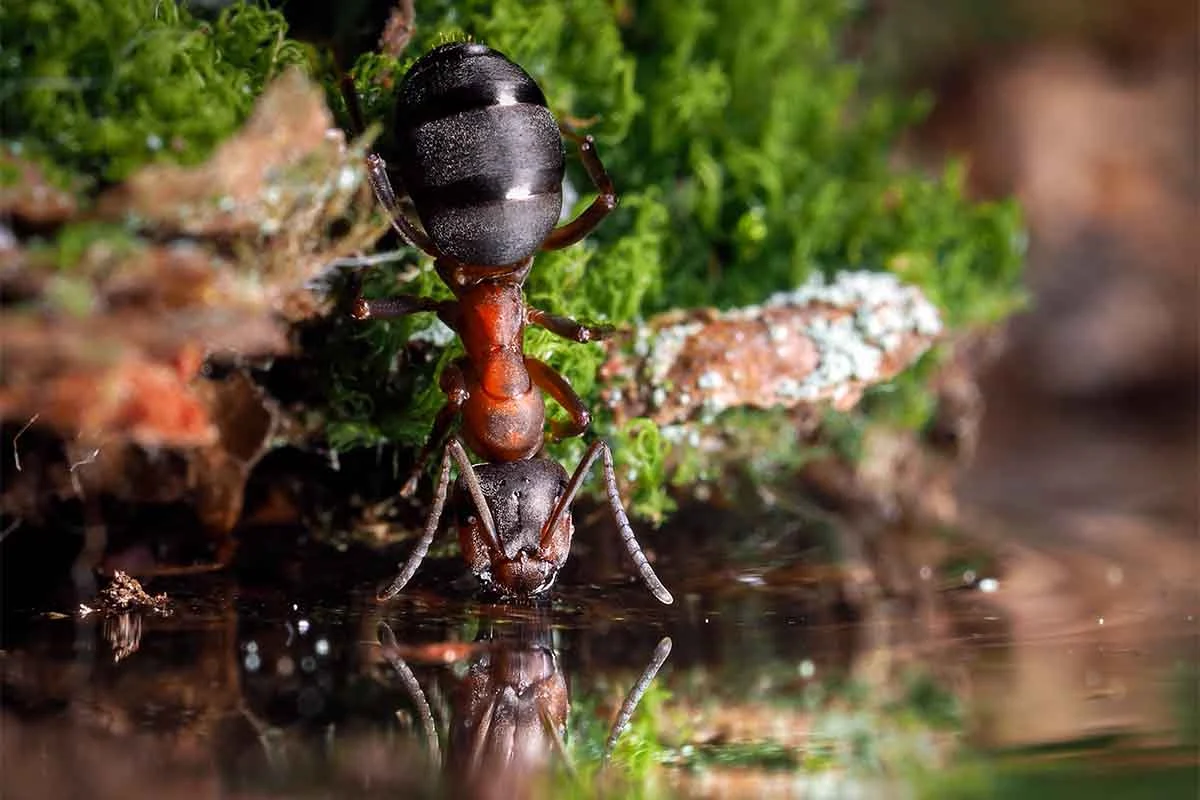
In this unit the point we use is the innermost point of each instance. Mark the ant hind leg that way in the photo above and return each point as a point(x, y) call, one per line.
point(600, 208)
point(386, 194)
point(392, 307)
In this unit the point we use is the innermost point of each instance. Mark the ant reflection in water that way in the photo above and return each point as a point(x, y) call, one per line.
point(482, 161)
point(508, 715)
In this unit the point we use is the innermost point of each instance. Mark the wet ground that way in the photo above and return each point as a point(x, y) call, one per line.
point(294, 683)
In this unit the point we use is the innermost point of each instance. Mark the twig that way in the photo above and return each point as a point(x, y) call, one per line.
point(16, 450)
point(90, 458)
point(16, 523)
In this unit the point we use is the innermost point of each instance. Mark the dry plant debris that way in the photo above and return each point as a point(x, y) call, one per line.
point(108, 349)
point(25, 194)
point(111, 316)
point(123, 594)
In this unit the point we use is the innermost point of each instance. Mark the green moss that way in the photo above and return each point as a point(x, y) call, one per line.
point(765, 755)
point(101, 87)
point(98, 241)
point(746, 158)
point(10, 174)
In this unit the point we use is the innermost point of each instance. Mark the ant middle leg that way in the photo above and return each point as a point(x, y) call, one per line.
point(566, 327)
point(400, 305)
point(640, 563)
point(548, 379)
point(600, 208)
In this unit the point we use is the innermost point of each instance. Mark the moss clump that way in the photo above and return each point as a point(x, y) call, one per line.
point(101, 87)
point(75, 241)
point(746, 159)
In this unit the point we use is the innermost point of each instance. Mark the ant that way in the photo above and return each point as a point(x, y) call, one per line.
point(509, 706)
point(482, 160)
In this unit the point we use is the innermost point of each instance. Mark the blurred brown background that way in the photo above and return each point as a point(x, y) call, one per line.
point(1087, 460)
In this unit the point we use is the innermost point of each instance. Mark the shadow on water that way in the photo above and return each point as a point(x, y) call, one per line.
point(249, 691)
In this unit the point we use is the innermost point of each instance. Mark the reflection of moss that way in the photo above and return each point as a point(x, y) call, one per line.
point(636, 755)
point(1105, 777)
point(1186, 702)
point(101, 87)
point(760, 755)
point(745, 160)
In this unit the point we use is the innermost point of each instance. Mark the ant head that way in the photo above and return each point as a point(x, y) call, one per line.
point(524, 559)
point(504, 725)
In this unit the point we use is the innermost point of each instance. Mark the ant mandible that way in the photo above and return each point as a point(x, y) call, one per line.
point(481, 157)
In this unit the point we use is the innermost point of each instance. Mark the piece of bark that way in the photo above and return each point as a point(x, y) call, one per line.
point(825, 342)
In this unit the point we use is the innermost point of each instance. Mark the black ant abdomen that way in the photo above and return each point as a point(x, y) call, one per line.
point(480, 154)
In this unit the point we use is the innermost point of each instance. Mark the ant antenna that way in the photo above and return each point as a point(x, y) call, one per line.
point(387, 640)
point(661, 653)
point(456, 451)
point(645, 571)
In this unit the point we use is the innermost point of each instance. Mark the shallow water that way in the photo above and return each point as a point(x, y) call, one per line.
point(250, 691)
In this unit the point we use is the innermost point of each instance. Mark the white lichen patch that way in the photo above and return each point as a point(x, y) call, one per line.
point(823, 341)
point(667, 346)
point(852, 347)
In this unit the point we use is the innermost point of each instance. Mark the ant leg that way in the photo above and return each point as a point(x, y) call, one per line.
point(552, 383)
point(566, 327)
point(454, 384)
point(382, 184)
point(431, 526)
point(377, 175)
point(387, 641)
point(455, 388)
point(645, 571)
point(392, 307)
point(661, 653)
point(600, 208)
point(483, 731)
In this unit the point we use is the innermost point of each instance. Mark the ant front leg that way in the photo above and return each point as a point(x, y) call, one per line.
point(454, 384)
point(566, 327)
point(645, 571)
point(546, 378)
point(600, 208)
